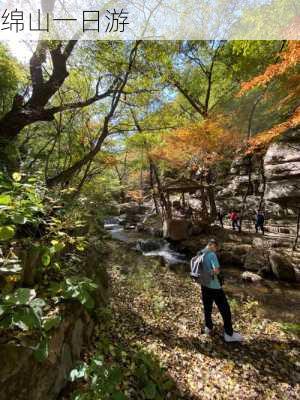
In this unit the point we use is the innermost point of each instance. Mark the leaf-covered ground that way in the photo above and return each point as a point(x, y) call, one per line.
point(159, 312)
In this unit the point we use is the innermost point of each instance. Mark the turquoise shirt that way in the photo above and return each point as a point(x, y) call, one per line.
point(210, 263)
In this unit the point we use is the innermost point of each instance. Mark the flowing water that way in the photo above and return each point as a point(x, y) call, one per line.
point(278, 301)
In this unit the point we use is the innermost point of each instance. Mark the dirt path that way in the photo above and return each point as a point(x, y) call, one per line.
point(158, 312)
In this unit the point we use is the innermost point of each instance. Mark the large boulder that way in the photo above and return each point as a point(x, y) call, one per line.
point(257, 260)
point(176, 229)
point(282, 267)
point(132, 212)
point(234, 254)
point(282, 170)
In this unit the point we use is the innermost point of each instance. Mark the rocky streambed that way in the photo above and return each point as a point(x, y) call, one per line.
point(247, 262)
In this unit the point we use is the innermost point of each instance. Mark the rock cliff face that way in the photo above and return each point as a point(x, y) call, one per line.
point(276, 180)
point(282, 170)
point(246, 180)
point(24, 378)
point(239, 183)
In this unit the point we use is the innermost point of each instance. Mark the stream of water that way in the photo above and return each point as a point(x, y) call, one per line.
point(278, 301)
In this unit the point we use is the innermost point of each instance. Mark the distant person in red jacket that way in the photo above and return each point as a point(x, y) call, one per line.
point(234, 218)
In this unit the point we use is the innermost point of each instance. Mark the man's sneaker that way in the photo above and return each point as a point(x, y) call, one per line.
point(235, 337)
point(207, 331)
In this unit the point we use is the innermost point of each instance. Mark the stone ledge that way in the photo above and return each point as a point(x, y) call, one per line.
point(24, 378)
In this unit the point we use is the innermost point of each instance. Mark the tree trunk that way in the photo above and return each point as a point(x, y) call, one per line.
point(263, 177)
point(166, 210)
point(246, 194)
point(297, 231)
point(211, 196)
point(151, 172)
point(31, 261)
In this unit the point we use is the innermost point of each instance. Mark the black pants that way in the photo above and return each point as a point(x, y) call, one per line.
point(209, 296)
point(259, 226)
point(235, 224)
point(220, 218)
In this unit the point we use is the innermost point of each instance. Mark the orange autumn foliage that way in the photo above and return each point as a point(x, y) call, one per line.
point(136, 195)
point(108, 160)
point(289, 58)
point(261, 141)
point(196, 145)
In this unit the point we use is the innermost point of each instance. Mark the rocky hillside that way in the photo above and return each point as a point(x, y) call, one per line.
point(270, 181)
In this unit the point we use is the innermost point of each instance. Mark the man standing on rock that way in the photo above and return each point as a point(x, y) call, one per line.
point(212, 292)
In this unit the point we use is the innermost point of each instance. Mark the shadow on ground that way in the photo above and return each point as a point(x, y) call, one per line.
point(267, 356)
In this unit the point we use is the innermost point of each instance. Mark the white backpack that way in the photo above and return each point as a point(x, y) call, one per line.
point(198, 271)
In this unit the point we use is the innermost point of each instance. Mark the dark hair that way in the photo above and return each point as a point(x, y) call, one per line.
point(212, 241)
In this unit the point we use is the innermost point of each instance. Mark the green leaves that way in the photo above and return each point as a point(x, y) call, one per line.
point(77, 288)
point(5, 200)
point(19, 219)
point(19, 203)
point(46, 259)
point(21, 309)
point(57, 246)
point(25, 318)
point(150, 391)
point(21, 296)
point(51, 322)
point(12, 77)
point(41, 351)
point(7, 232)
point(104, 379)
point(291, 328)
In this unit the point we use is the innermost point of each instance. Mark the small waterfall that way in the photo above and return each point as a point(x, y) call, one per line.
point(159, 247)
point(150, 247)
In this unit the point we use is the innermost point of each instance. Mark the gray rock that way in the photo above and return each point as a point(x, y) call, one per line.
point(132, 212)
point(257, 260)
point(22, 377)
point(259, 243)
point(156, 232)
point(140, 227)
point(251, 277)
point(147, 245)
point(176, 229)
point(282, 170)
point(230, 259)
point(282, 267)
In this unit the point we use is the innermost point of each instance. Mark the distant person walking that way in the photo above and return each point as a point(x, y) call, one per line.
point(234, 218)
point(221, 216)
point(259, 222)
point(212, 292)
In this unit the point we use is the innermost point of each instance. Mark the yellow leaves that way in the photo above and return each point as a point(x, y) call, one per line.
point(203, 368)
point(228, 367)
